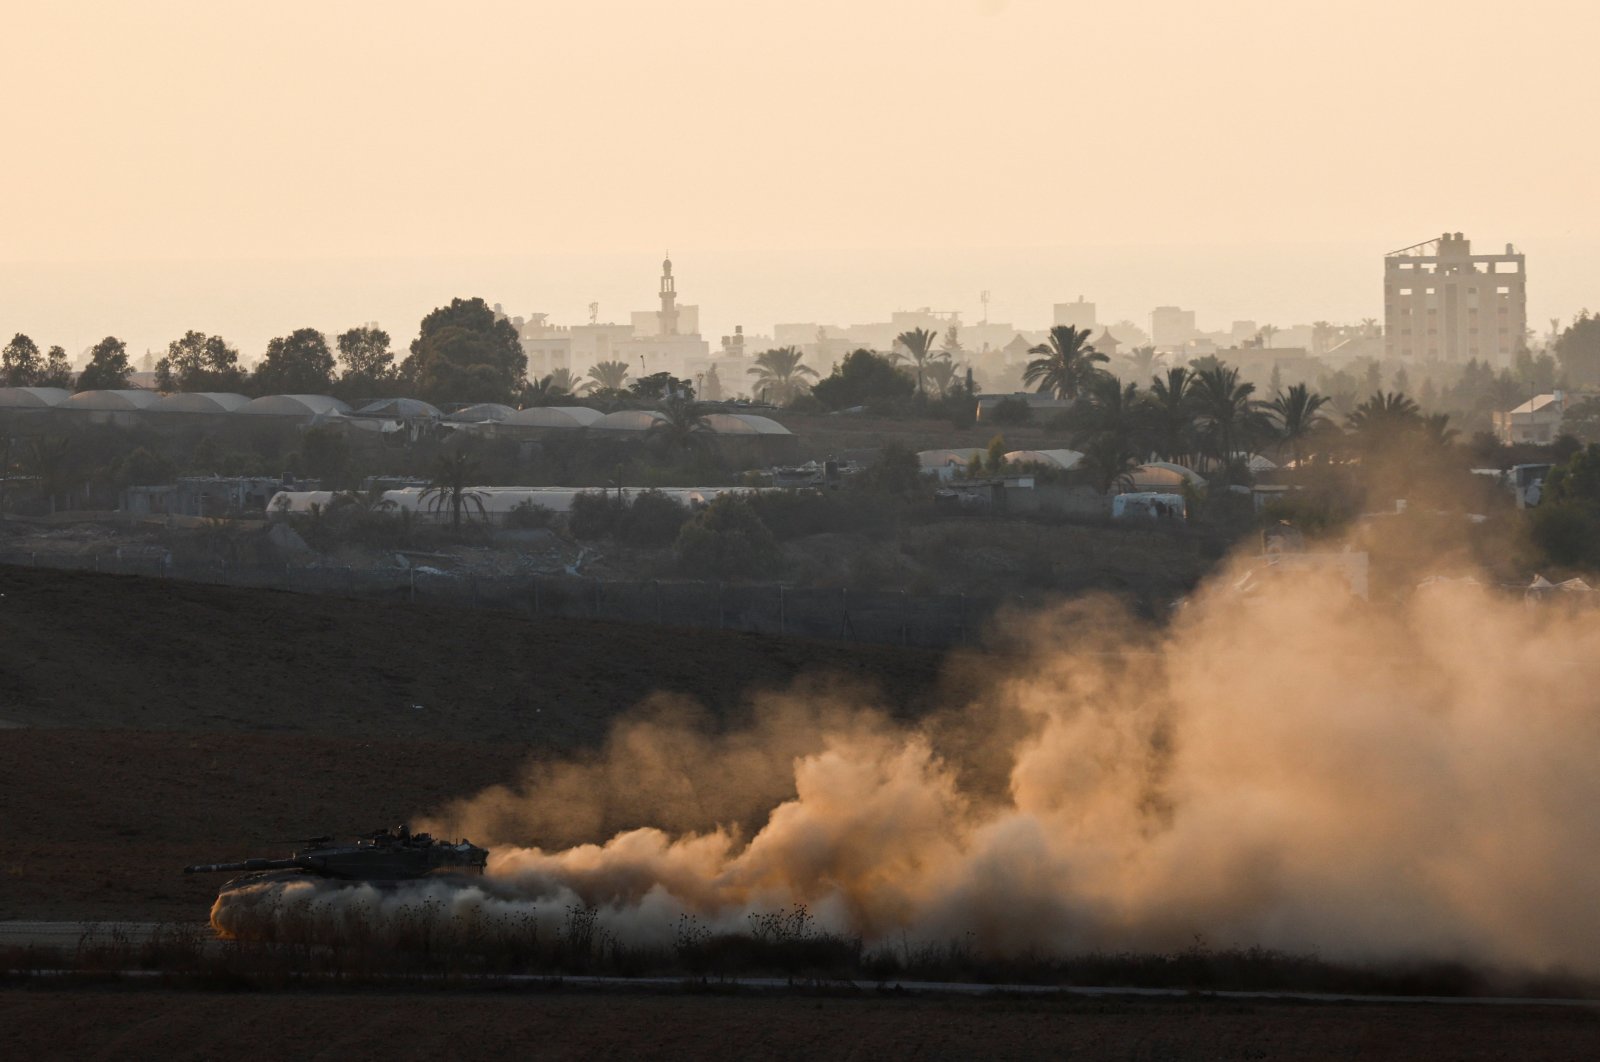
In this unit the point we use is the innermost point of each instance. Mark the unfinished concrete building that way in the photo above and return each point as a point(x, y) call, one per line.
point(1441, 302)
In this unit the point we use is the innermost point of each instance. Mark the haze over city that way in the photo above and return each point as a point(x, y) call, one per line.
point(245, 171)
point(850, 528)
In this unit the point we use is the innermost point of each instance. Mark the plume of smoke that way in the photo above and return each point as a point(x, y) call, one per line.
point(1296, 769)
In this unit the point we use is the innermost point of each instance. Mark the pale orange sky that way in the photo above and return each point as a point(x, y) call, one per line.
point(157, 133)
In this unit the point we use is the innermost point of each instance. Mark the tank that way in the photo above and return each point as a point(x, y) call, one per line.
point(378, 858)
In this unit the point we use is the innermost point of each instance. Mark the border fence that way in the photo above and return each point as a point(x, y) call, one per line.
point(888, 617)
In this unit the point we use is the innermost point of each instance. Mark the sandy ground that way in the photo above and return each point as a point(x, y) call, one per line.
point(678, 1025)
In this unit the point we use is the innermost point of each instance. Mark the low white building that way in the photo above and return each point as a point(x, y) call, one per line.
point(1538, 420)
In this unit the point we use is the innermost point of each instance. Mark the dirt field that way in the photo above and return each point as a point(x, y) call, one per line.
point(149, 1024)
point(156, 724)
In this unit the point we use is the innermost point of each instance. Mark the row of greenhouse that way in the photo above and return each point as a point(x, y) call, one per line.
point(324, 409)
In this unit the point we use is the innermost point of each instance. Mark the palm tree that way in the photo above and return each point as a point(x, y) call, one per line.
point(1384, 419)
point(1066, 364)
point(1437, 431)
point(448, 487)
point(1142, 362)
point(682, 425)
point(941, 374)
point(1299, 412)
point(1225, 413)
point(563, 382)
point(1264, 335)
point(1171, 414)
point(918, 343)
point(607, 376)
point(780, 373)
point(1109, 423)
point(545, 390)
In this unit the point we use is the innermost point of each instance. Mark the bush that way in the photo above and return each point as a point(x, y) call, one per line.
point(726, 541)
point(1010, 411)
point(897, 471)
point(526, 516)
point(595, 514)
point(1564, 533)
point(651, 519)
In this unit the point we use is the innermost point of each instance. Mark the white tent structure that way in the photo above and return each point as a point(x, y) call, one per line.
point(200, 402)
point(126, 401)
point(744, 424)
point(481, 413)
point(400, 409)
point(293, 406)
point(32, 397)
point(628, 420)
point(571, 417)
point(1163, 477)
point(1065, 460)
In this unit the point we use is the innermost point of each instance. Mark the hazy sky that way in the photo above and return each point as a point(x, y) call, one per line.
point(253, 167)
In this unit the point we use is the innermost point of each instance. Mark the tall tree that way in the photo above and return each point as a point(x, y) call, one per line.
point(1578, 350)
point(108, 368)
point(1067, 362)
point(297, 364)
point(57, 371)
point(1108, 425)
point(781, 374)
point(369, 369)
point(1225, 414)
point(20, 363)
point(199, 362)
point(940, 375)
point(918, 344)
point(465, 353)
point(1170, 415)
point(1298, 413)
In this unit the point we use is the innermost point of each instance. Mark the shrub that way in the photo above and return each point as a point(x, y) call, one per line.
point(726, 541)
point(595, 514)
point(651, 519)
point(1010, 411)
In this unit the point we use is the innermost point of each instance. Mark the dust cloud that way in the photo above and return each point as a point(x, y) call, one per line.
point(1293, 768)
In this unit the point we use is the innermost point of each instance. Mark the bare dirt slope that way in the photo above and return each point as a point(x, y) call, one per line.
point(165, 723)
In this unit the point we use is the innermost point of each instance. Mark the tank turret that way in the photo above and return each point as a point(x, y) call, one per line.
point(381, 856)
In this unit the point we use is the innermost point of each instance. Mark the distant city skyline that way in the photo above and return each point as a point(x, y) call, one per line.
point(150, 304)
point(834, 160)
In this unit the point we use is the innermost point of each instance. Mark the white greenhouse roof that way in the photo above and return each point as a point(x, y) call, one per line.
point(554, 417)
point(628, 420)
point(945, 458)
point(1062, 459)
point(294, 406)
point(32, 397)
point(119, 401)
point(744, 424)
point(399, 407)
point(481, 412)
point(200, 402)
point(496, 500)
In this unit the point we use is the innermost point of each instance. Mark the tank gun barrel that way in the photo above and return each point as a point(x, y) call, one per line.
point(244, 864)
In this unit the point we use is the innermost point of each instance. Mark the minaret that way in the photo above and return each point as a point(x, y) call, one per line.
point(669, 299)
